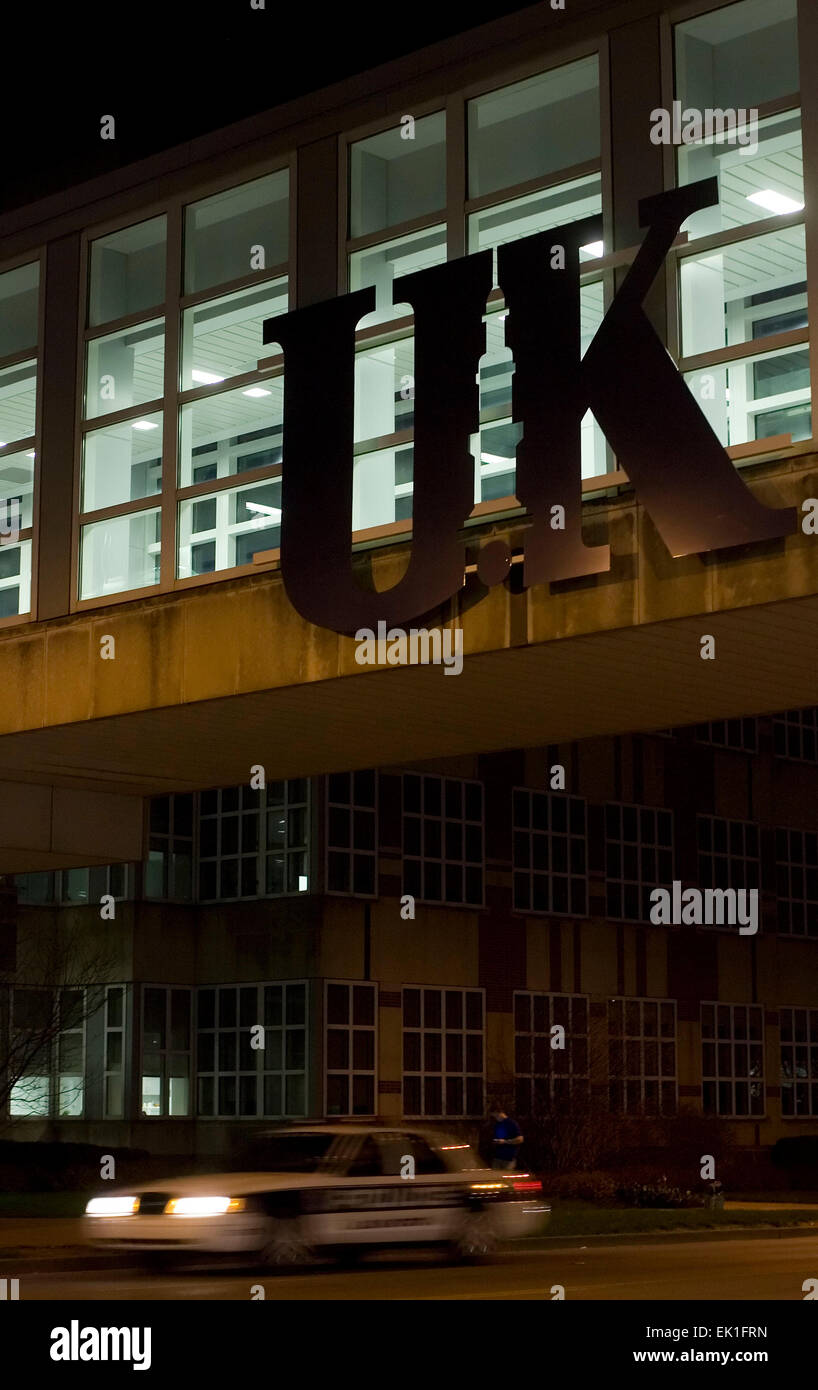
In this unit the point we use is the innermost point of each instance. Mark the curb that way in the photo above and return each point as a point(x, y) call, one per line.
point(666, 1237)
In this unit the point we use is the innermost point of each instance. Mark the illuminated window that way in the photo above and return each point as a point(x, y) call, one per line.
point(254, 843)
point(166, 1042)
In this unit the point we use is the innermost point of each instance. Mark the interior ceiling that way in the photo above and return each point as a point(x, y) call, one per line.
point(634, 679)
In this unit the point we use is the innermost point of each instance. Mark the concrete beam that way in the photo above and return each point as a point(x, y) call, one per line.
point(44, 827)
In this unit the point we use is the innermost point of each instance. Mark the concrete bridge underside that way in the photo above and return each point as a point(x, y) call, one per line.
point(209, 681)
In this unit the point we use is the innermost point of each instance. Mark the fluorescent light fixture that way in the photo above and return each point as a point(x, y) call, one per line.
point(302, 883)
point(774, 202)
point(144, 425)
point(256, 391)
point(206, 378)
point(594, 248)
point(264, 509)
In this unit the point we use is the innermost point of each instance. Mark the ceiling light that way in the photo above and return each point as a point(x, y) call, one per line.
point(594, 248)
point(774, 202)
point(206, 378)
point(265, 510)
point(144, 425)
point(256, 391)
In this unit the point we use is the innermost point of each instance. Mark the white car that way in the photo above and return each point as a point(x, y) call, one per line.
point(325, 1189)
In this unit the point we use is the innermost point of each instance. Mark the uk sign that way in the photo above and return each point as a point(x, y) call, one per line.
point(674, 460)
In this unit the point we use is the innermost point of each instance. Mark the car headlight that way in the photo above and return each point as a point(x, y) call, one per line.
point(112, 1206)
point(203, 1206)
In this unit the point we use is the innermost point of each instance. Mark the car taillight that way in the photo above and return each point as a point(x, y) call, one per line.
point(527, 1185)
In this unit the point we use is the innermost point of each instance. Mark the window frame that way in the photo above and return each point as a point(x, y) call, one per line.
point(172, 399)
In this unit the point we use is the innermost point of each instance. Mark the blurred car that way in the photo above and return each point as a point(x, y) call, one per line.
point(308, 1191)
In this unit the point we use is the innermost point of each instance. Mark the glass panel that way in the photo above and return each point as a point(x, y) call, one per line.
point(231, 432)
point(16, 494)
point(753, 183)
point(127, 271)
point(382, 487)
point(743, 55)
point(744, 291)
point(235, 232)
point(535, 127)
point(125, 368)
point(227, 528)
point(380, 265)
point(537, 212)
point(120, 554)
point(757, 397)
point(30, 1096)
point(384, 389)
point(222, 338)
point(398, 174)
point(18, 309)
point(122, 463)
point(18, 401)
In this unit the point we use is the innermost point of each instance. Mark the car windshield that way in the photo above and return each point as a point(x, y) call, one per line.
point(284, 1153)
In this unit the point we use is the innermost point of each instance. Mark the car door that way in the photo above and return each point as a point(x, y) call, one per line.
point(391, 1194)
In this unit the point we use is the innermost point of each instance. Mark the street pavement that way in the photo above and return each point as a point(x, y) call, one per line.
point(726, 1269)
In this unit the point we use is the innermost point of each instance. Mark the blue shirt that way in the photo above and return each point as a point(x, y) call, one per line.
point(505, 1129)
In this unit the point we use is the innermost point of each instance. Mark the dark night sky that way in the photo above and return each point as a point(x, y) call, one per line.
point(171, 71)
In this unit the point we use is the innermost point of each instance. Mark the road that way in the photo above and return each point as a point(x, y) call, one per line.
point(773, 1269)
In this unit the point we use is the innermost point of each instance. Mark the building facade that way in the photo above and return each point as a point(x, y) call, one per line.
point(319, 890)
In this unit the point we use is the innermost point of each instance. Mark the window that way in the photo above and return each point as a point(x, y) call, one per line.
point(443, 839)
point(547, 129)
point(91, 885)
point(746, 289)
point(638, 858)
point(350, 1041)
point(741, 734)
point(551, 1069)
point(796, 873)
point(443, 1055)
point(728, 853)
point(166, 1037)
point(47, 1053)
point(236, 231)
point(796, 734)
point(227, 415)
point(352, 821)
point(550, 865)
point(733, 1059)
point(253, 843)
point(398, 175)
point(252, 1050)
point(799, 1061)
point(533, 128)
point(169, 866)
point(642, 1056)
point(19, 313)
point(114, 1080)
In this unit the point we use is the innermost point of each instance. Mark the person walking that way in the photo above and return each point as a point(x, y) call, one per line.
point(506, 1142)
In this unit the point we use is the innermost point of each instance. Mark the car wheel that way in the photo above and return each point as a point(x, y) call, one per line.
point(477, 1237)
point(285, 1244)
